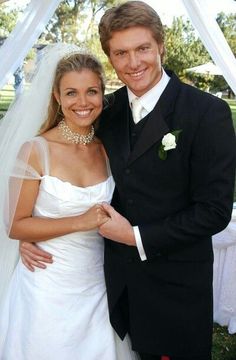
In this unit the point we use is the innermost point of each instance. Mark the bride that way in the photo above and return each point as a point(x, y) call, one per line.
point(52, 193)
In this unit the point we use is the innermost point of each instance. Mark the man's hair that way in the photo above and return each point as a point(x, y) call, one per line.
point(127, 15)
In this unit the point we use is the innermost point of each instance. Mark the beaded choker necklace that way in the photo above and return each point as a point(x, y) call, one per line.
point(74, 137)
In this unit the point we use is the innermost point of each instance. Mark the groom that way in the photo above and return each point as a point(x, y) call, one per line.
point(173, 161)
point(174, 174)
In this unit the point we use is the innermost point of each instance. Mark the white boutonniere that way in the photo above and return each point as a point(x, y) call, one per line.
point(169, 142)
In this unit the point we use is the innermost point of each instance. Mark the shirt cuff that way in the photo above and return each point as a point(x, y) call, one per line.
point(139, 243)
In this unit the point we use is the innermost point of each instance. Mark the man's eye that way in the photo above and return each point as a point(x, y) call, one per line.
point(144, 48)
point(120, 53)
point(92, 92)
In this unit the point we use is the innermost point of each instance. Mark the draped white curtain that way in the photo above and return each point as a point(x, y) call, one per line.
point(213, 38)
point(24, 35)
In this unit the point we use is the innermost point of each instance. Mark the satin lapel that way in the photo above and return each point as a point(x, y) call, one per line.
point(159, 121)
point(117, 137)
point(153, 130)
point(121, 133)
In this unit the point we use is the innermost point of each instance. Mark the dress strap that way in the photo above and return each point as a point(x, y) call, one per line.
point(43, 149)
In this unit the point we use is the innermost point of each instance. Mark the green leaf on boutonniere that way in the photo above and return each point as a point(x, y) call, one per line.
point(162, 153)
point(176, 133)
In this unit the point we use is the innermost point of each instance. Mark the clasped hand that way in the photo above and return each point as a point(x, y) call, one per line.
point(116, 227)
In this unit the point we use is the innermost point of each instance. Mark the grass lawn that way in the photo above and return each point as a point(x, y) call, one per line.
point(224, 345)
point(232, 104)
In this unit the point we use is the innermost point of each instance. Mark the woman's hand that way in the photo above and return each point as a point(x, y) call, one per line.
point(93, 218)
point(32, 256)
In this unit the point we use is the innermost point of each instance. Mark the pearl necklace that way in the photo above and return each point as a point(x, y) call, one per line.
point(74, 137)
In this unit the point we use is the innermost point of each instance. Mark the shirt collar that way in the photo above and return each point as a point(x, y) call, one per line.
point(150, 98)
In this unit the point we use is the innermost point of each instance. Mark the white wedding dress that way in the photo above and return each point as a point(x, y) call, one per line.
point(61, 312)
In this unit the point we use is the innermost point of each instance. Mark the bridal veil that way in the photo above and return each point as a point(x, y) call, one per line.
point(20, 124)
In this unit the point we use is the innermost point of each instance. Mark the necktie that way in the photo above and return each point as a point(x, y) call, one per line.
point(136, 110)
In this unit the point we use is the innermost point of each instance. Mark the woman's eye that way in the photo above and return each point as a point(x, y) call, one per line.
point(71, 93)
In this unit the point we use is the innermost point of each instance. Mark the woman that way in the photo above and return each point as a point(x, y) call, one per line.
point(57, 183)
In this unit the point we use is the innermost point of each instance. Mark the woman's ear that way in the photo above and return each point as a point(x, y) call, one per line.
point(57, 97)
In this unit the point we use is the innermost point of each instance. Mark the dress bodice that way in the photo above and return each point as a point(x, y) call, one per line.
point(57, 199)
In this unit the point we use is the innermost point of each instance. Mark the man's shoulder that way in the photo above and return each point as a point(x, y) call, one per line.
point(116, 96)
point(192, 93)
point(115, 100)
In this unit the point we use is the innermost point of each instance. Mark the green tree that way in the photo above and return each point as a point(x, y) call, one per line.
point(7, 20)
point(76, 21)
point(183, 48)
point(227, 23)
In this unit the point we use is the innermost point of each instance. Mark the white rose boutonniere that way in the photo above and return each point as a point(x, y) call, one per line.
point(169, 142)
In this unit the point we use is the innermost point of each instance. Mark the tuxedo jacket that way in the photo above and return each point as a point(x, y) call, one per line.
point(165, 302)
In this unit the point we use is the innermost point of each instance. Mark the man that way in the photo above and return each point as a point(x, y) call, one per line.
point(172, 193)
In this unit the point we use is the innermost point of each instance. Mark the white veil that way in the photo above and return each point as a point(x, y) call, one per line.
point(20, 124)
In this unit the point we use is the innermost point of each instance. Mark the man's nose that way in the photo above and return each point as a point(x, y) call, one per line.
point(134, 60)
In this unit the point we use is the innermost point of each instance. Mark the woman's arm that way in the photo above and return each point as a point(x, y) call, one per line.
point(33, 229)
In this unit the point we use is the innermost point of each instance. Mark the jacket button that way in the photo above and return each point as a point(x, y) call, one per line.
point(130, 201)
point(127, 171)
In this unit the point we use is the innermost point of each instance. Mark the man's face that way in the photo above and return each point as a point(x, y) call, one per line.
point(136, 58)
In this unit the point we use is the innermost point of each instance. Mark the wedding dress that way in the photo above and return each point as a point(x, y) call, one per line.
point(61, 312)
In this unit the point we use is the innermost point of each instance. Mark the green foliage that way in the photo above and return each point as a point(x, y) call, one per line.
point(183, 48)
point(227, 23)
point(7, 20)
point(74, 20)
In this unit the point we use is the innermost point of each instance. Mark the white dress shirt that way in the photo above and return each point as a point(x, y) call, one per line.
point(148, 101)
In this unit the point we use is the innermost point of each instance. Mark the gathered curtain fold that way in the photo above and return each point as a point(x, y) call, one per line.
point(27, 30)
point(213, 38)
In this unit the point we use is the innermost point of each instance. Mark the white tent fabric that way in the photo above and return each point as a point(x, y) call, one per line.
point(213, 38)
point(206, 69)
point(224, 285)
point(24, 35)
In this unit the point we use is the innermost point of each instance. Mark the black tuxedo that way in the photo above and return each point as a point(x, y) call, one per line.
point(178, 203)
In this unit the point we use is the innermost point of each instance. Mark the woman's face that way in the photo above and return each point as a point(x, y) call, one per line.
point(81, 98)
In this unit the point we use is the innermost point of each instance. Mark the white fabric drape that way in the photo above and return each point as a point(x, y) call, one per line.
point(24, 35)
point(224, 285)
point(213, 38)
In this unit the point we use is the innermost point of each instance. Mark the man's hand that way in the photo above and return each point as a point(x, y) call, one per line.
point(33, 257)
point(117, 228)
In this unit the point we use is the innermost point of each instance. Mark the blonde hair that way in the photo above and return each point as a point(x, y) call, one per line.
point(72, 62)
point(127, 15)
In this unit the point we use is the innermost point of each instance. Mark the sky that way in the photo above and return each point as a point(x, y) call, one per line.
point(169, 8)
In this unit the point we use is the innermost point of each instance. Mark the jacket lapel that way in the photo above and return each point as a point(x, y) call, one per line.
point(158, 123)
point(114, 127)
point(154, 129)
